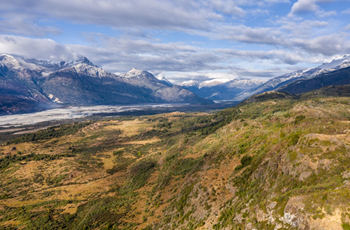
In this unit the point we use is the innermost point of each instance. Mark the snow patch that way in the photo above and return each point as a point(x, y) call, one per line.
point(190, 83)
point(57, 100)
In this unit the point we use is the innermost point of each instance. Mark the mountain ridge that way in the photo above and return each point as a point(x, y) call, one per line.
point(241, 89)
point(80, 82)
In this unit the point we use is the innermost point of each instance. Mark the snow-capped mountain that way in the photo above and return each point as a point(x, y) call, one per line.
point(190, 83)
point(208, 83)
point(218, 89)
point(138, 74)
point(79, 82)
point(338, 63)
point(283, 80)
point(17, 62)
point(244, 83)
point(142, 78)
point(211, 83)
point(164, 80)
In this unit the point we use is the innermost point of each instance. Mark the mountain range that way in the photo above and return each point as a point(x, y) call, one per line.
point(30, 85)
point(240, 89)
point(37, 85)
point(217, 90)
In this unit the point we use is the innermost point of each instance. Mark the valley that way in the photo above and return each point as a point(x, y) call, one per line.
point(272, 162)
point(175, 115)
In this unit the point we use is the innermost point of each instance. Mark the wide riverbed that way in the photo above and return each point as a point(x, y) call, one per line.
point(75, 112)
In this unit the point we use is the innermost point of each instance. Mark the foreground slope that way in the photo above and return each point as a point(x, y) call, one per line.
point(278, 163)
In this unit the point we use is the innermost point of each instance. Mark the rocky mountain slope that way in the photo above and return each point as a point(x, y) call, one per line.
point(275, 162)
point(80, 82)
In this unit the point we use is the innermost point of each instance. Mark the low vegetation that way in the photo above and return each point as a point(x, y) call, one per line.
point(278, 162)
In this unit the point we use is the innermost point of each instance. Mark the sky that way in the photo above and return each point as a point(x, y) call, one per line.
point(180, 39)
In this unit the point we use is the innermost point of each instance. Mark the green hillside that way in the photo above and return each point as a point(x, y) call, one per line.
point(270, 163)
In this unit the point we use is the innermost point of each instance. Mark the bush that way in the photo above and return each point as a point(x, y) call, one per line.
point(140, 172)
point(246, 160)
point(294, 138)
point(298, 119)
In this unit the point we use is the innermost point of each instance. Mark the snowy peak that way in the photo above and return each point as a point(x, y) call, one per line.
point(211, 83)
point(164, 80)
point(83, 60)
point(235, 83)
point(17, 62)
point(138, 74)
point(82, 66)
point(336, 63)
point(190, 83)
point(244, 83)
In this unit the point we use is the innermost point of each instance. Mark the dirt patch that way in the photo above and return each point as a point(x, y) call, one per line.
point(328, 222)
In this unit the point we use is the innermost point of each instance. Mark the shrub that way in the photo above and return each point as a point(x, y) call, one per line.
point(298, 119)
point(294, 138)
point(246, 160)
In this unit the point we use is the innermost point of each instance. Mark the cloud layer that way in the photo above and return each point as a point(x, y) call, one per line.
point(241, 38)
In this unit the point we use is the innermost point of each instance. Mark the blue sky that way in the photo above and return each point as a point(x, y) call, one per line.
point(180, 39)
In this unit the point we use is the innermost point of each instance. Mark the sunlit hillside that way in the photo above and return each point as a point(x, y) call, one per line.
point(279, 163)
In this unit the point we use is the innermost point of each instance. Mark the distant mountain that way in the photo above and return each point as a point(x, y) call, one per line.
point(219, 90)
point(164, 80)
point(280, 81)
point(41, 84)
point(336, 77)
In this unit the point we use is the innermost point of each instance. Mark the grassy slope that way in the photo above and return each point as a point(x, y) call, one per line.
point(260, 165)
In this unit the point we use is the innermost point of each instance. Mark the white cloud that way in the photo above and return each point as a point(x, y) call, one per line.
point(347, 11)
point(35, 48)
point(175, 15)
point(120, 55)
point(179, 77)
point(324, 14)
point(242, 33)
point(304, 28)
point(328, 45)
point(155, 14)
point(18, 25)
point(227, 7)
point(304, 6)
point(142, 26)
point(273, 56)
point(117, 55)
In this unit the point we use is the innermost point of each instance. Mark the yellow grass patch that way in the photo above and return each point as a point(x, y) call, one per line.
point(129, 128)
point(28, 170)
point(12, 223)
point(143, 142)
